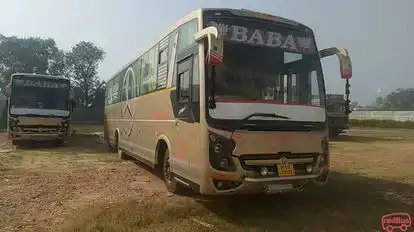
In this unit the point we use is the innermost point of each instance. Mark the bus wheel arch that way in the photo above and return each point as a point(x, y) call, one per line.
point(163, 165)
point(163, 144)
point(117, 147)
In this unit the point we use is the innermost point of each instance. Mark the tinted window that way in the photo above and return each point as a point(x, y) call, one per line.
point(184, 83)
point(186, 36)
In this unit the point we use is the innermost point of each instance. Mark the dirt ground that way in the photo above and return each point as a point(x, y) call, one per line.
point(81, 187)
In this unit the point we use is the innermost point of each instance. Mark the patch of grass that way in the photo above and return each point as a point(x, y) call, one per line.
point(372, 123)
point(137, 216)
point(110, 159)
point(347, 203)
point(87, 128)
point(8, 161)
point(369, 179)
point(3, 168)
point(368, 135)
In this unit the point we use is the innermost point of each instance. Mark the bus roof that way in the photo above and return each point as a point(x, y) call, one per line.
point(180, 22)
point(40, 75)
point(261, 15)
point(199, 12)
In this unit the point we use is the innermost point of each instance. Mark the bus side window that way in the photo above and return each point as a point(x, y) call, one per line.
point(184, 86)
point(314, 89)
point(184, 90)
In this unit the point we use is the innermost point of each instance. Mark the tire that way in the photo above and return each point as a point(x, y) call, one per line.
point(172, 185)
point(112, 148)
point(120, 153)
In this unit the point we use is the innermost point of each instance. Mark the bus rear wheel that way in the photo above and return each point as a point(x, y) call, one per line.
point(113, 148)
point(170, 182)
point(120, 152)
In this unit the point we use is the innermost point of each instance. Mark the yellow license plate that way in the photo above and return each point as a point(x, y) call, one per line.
point(285, 170)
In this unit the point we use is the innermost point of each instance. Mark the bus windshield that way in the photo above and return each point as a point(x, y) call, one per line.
point(253, 74)
point(270, 64)
point(52, 97)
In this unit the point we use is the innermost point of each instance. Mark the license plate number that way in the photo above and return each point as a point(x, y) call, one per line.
point(285, 170)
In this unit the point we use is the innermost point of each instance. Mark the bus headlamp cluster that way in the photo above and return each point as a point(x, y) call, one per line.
point(65, 126)
point(220, 152)
point(218, 147)
point(13, 124)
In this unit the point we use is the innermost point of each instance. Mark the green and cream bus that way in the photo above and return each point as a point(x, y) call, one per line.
point(228, 101)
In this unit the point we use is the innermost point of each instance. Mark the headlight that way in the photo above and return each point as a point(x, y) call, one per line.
point(13, 123)
point(217, 147)
point(220, 151)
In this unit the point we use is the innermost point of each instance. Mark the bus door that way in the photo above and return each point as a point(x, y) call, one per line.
point(187, 134)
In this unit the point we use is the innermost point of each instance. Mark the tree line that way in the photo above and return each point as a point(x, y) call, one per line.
point(401, 99)
point(42, 56)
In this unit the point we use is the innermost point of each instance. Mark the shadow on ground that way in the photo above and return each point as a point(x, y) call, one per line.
point(347, 203)
point(78, 144)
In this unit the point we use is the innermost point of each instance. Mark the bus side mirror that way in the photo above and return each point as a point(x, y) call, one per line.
point(7, 91)
point(206, 33)
point(345, 68)
point(214, 57)
point(344, 60)
point(215, 44)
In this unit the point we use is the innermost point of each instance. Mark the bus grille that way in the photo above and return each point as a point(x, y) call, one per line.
point(299, 161)
point(42, 129)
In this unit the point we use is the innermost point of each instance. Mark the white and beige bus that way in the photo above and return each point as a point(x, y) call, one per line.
point(228, 101)
point(39, 108)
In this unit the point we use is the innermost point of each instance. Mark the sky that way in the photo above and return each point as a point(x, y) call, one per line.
point(377, 33)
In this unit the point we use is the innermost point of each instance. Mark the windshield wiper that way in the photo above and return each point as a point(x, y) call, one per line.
point(269, 115)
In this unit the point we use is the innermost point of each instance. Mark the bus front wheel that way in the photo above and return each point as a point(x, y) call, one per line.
point(113, 148)
point(170, 182)
point(120, 152)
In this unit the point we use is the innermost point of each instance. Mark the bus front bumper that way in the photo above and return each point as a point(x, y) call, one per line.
point(250, 182)
point(269, 185)
point(37, 136)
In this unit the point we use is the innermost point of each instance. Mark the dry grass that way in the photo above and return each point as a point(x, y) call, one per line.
point(82, 188)
point(86, 128)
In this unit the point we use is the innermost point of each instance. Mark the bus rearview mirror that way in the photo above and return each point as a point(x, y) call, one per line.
point(205, 33)
point(215, 44)
point(345, 64)
point(7, 91)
